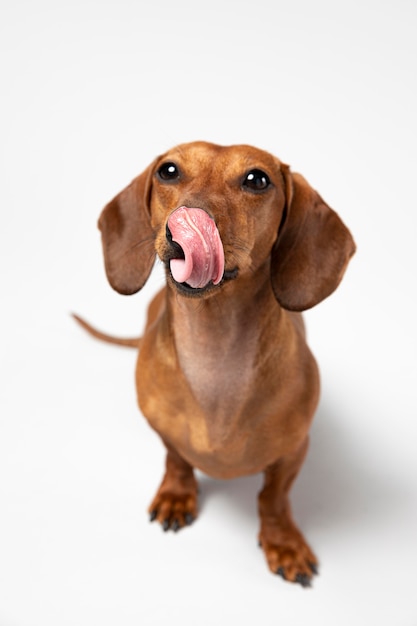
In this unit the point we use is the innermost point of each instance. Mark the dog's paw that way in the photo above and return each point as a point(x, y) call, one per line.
point(174, 511)
point(290, 557)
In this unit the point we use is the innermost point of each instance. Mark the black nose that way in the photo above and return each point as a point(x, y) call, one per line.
point(176, 251)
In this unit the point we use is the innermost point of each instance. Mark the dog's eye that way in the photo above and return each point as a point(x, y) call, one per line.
point(256, 180)
point(168, 171)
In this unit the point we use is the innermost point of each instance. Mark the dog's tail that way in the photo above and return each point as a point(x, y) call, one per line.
point(129, 342)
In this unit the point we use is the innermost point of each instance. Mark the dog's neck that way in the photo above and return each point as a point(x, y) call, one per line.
point(233, 313)
point(218, 340)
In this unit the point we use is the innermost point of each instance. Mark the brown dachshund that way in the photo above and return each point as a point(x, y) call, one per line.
point(224, 374)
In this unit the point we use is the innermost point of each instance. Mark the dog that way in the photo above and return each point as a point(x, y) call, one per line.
point(224, 374)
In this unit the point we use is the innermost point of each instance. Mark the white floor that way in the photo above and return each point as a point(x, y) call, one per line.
point(92, 93)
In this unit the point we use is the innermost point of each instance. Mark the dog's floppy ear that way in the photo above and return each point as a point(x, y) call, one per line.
point(312, 250)
point(127, 236)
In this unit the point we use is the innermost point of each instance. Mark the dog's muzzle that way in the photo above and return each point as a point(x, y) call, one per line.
point(200, 255)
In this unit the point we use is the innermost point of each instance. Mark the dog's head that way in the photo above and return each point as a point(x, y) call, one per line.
point(213, 214)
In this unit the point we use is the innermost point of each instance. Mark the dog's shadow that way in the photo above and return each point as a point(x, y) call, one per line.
point(335, 486)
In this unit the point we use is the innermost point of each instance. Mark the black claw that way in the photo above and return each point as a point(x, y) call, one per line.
point(314, 568)
point(303, 579)
point(280, 572)
point(152, 516)
point(175, 526)
point(165, 525)
point(189, 518)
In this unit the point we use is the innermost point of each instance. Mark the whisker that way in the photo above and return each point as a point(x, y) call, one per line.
point(141, 243)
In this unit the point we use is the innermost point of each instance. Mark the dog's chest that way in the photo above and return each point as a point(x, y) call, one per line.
point(218, 362)
point(219, 375)
point(221, 379)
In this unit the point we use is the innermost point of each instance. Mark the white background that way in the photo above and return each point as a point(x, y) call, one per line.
point(91, 92)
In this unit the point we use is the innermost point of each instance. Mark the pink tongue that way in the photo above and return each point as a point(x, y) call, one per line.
point(197, 234)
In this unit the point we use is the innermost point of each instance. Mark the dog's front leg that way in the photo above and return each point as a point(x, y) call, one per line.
point(285, 548)
point(175, 503)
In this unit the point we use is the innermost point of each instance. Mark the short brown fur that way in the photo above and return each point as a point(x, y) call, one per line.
point(224, 374)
